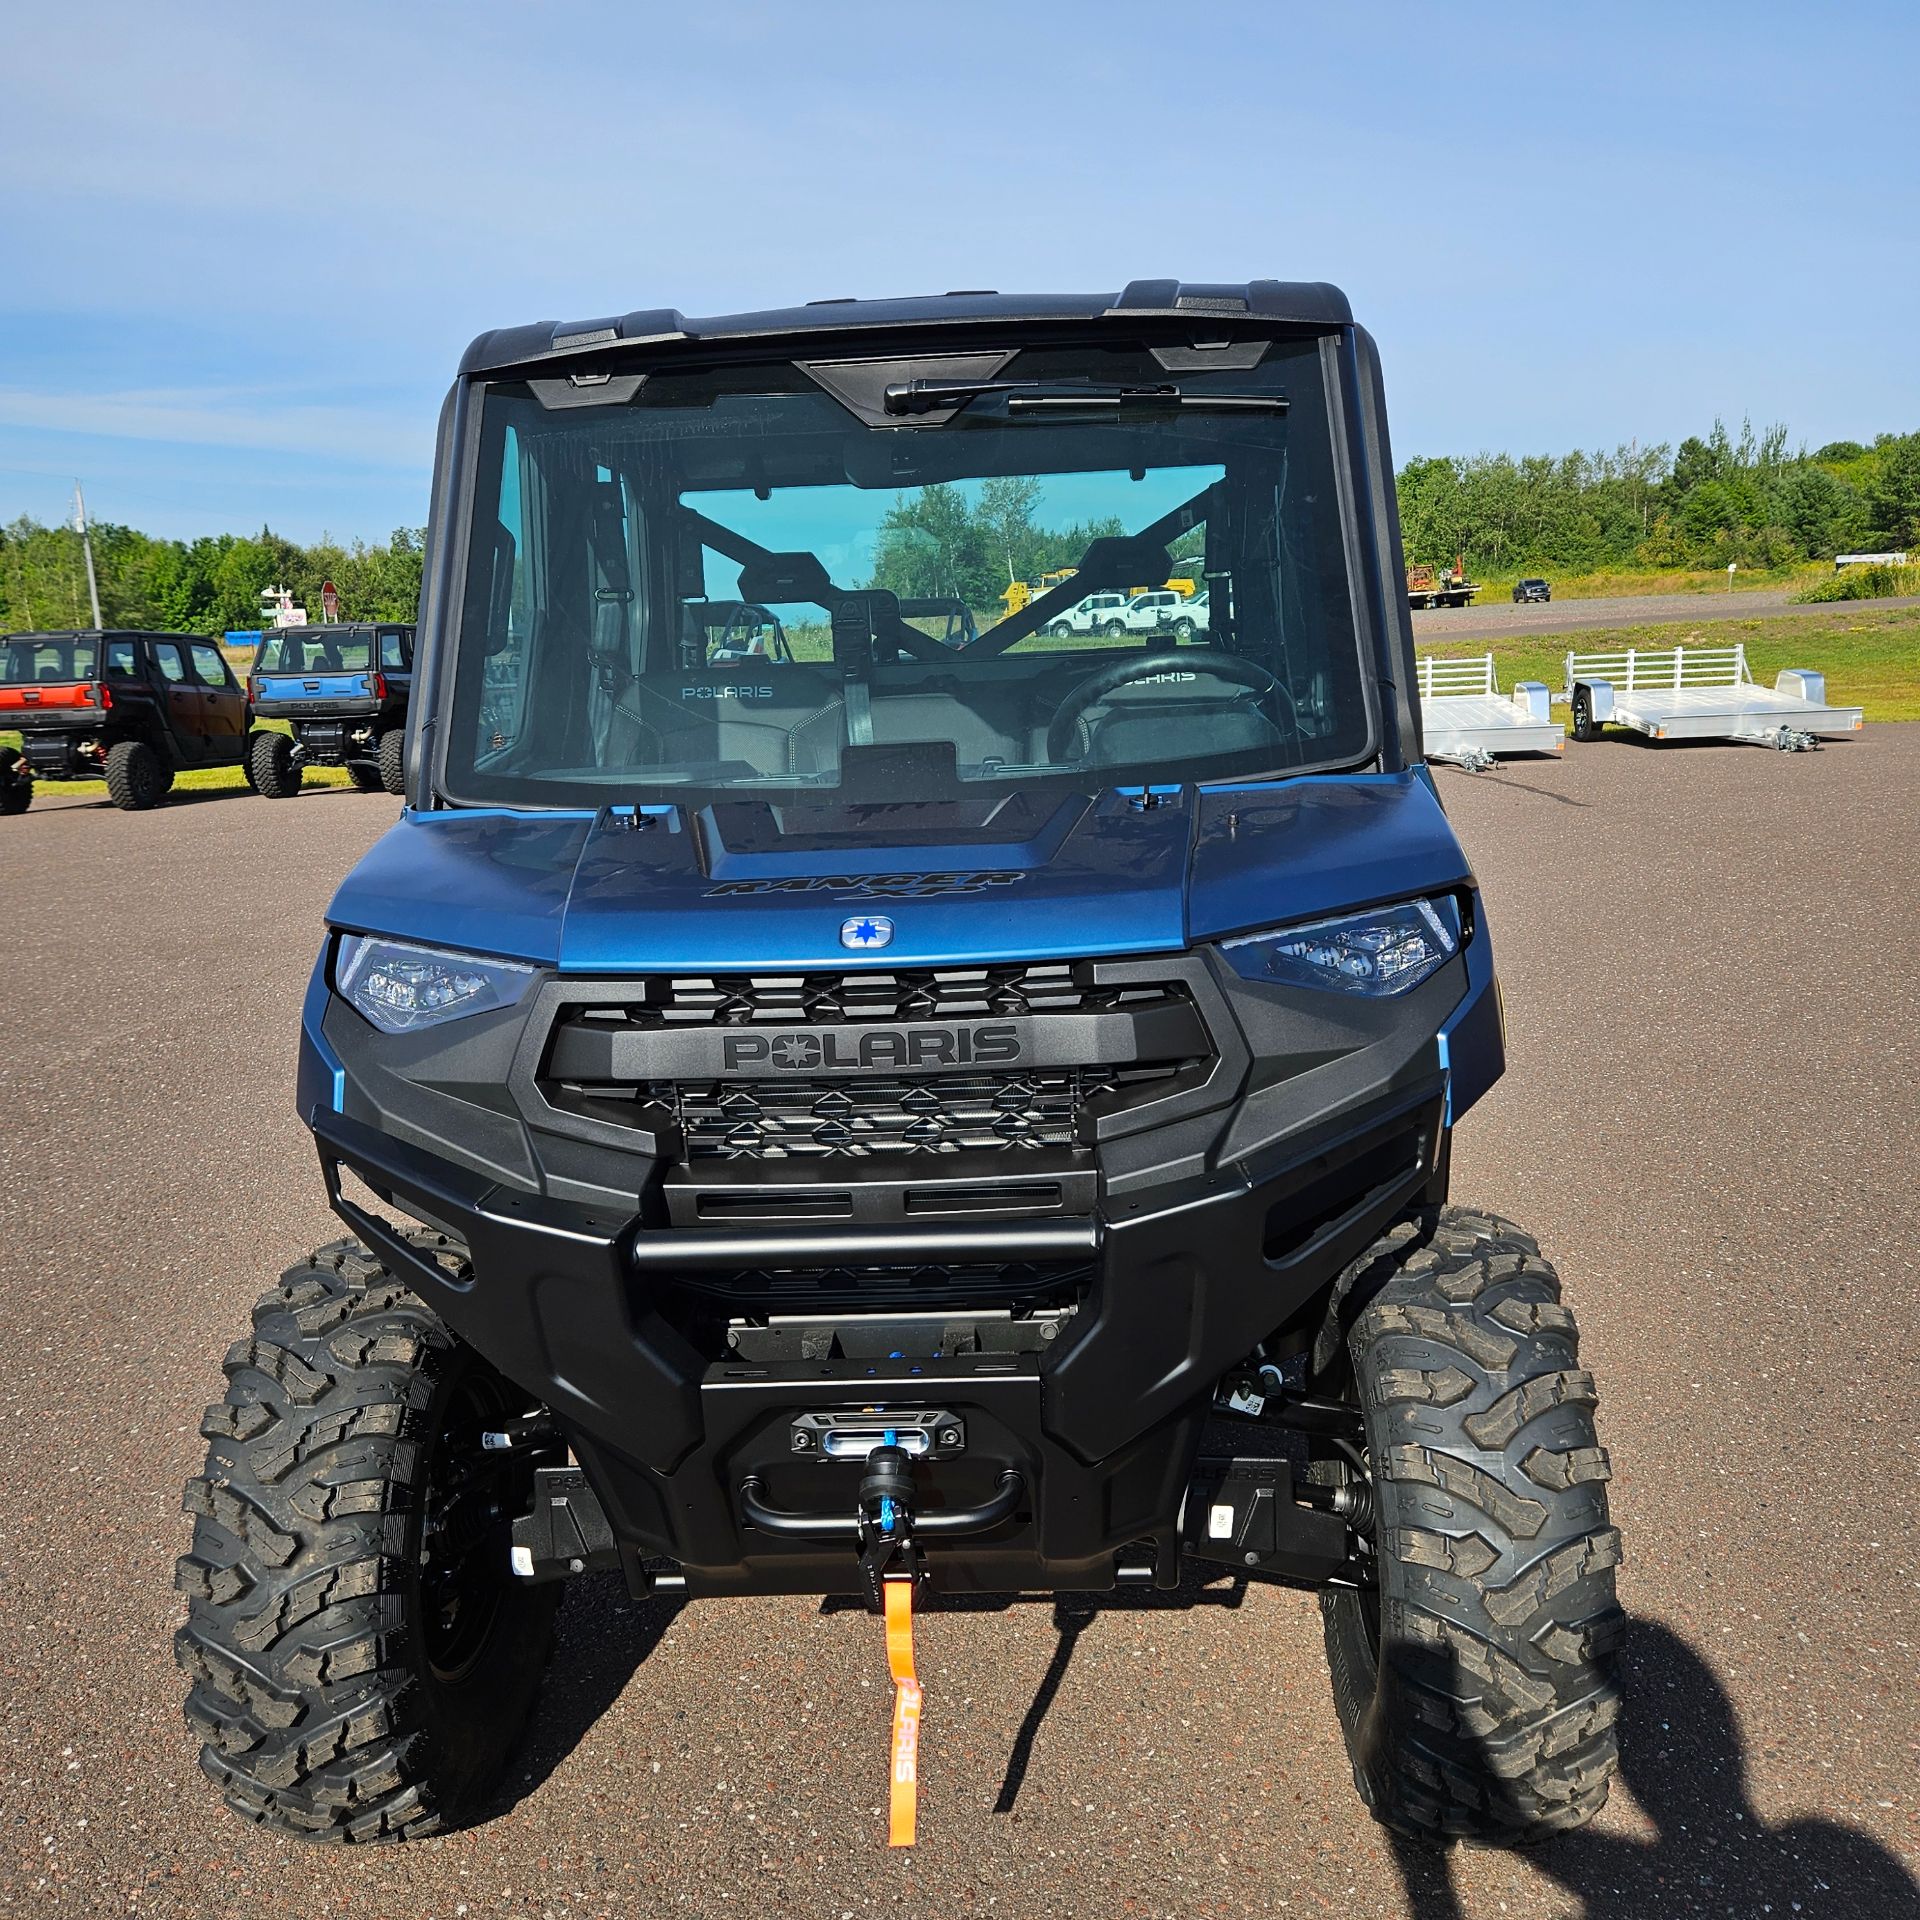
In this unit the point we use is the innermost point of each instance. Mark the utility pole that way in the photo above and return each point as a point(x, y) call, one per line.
point(86, 542)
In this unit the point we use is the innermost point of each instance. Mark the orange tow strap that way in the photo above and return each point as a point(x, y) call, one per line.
point(902, 1806)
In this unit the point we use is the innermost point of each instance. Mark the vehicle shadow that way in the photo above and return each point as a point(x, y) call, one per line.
point(1684, 1759)
point(1491, 777)
point(604, 1635)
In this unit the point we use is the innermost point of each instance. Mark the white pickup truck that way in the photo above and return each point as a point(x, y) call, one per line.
point(1113, 614)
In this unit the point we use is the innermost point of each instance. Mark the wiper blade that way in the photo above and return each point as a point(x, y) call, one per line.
point(1051, 396)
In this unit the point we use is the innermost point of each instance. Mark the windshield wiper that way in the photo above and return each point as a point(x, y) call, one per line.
point(1051, 396)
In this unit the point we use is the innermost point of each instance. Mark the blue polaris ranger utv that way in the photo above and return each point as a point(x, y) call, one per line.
point(344, 692)
point(892, 1119)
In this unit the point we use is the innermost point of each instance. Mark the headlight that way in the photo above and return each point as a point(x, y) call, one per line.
point(1382, 952)
point(400, 987)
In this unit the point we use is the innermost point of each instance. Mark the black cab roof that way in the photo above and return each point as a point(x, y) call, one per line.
point(1306, 303)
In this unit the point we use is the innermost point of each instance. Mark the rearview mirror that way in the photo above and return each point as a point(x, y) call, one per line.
point(1122, 560)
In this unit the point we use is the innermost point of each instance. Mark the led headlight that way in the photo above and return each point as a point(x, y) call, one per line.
point(1381, 952)
point(401, 988)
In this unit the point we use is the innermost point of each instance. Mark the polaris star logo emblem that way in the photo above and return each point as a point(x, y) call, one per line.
point(866, 931)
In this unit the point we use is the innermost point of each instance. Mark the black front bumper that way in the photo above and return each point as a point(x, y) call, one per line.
point(1102, 1427)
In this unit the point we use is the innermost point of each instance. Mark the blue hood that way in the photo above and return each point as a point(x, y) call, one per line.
point(661, 889)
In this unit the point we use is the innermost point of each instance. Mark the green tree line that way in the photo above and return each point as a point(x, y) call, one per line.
point(1709, 501)
point(937, 543)
point(209, 585)
point(1748, 499)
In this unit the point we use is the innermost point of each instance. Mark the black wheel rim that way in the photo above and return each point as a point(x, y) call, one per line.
point(461, 1568)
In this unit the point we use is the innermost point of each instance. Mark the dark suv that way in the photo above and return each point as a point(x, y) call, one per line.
point(343, 690)
point(1530, 590)
point(132, 708)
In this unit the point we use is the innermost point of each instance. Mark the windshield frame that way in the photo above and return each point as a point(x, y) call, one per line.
point(1352, 437)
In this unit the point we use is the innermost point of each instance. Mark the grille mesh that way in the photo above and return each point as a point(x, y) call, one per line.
point(834, 999)
point(948, 1113)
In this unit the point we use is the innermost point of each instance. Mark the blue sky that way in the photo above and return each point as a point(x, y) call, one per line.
point(241, 248)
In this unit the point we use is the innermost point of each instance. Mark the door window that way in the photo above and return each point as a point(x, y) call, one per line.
point(393, 652)
point(211, 668)
point(171, 662)
point(123, 660)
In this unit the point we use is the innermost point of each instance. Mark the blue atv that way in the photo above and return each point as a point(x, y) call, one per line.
point(343, 690)
point(890, 1118)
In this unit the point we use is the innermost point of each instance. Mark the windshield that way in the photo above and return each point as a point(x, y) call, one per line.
point(786, 580)
point(36, 662)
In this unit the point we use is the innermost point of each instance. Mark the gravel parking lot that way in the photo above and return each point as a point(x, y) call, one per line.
point(1711, 967)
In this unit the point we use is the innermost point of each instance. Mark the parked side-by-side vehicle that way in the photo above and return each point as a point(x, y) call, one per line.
point(907, 1117)
point(343, 692)
point(134, 709)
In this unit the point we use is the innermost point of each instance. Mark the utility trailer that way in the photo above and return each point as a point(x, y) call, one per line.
point(1465, 718)
point(1700, 693)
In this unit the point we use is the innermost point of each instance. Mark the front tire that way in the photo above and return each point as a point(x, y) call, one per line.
point(276, 773)
point(1474, 1679)
point(362, 1659)
point(136, 777)
point(365, 776)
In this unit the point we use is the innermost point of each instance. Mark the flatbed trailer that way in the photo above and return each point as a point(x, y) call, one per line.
point(1700, 693)
point(1465, 718)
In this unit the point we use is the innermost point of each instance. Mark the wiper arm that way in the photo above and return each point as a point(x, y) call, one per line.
point(1050, 396)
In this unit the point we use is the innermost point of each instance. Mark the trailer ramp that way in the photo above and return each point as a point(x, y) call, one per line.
point(1700, 693)
point(1466, 719)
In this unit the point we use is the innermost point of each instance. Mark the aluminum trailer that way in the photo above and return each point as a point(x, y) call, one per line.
point(1465, 718)
point(1699, 693)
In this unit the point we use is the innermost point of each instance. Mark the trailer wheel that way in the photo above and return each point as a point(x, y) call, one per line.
point(136, 777)
point(365, 775)
point(1474, 1675)
point(1585, 726)
point(392, 750)
point(362, 1659)
point(16, 783)
point(276, 773)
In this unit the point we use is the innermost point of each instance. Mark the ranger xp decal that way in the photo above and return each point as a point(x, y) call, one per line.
point(869, 886)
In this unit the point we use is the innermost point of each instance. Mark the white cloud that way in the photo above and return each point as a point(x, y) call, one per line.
point(211, 417)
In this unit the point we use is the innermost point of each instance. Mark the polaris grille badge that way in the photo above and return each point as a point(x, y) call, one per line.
point(866, 931)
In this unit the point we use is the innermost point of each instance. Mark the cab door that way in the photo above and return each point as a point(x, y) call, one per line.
point(223, 702)
point(180, 698)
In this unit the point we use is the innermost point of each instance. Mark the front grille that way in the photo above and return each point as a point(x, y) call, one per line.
point(607, 1059)
point(830, 999)
point(947, 1113)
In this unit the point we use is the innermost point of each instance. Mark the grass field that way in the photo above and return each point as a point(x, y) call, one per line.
point(1616, 584)
point(194, 779)
point(1871, 657)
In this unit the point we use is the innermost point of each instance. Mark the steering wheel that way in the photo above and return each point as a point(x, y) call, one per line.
point(1123, 673)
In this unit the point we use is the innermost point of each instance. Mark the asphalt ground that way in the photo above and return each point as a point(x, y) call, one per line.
point(1502, 619)
point(1710, 970)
